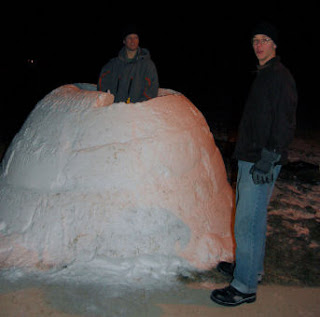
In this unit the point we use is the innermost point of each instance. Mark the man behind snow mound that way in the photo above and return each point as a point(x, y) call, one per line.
point(132, 76)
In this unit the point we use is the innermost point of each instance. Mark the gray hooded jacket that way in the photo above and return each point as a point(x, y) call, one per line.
point(136, 79)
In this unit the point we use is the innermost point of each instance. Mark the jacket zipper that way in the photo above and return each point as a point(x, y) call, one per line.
point(129, 90)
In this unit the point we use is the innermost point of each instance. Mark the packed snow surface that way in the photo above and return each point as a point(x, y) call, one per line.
point(123, 188)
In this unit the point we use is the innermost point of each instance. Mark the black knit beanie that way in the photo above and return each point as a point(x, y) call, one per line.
point(129, 29)
point(266, 29)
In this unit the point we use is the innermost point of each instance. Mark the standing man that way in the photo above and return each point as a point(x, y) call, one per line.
point(132, 76)
point(266, 130)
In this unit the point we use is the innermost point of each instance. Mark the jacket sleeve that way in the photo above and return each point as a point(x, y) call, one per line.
point(284, 114)
point(151, 83)
point(105, 78)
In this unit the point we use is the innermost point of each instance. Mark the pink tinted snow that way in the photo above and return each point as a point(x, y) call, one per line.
point(88, 179)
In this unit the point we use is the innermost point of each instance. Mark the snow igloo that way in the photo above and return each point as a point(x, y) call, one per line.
point(87, 180)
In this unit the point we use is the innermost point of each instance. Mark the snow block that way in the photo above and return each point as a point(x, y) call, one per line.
point(89, 180)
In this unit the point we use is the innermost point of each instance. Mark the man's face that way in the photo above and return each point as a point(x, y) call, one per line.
point(264, 48)
point(131, 42)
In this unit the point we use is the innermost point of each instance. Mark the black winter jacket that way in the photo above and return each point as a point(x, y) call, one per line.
point(136, 79)
point(269, 116)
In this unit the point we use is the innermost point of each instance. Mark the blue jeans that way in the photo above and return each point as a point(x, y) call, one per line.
point(250, 227)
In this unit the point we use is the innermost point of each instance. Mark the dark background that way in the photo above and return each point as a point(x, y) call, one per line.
point(201, 50)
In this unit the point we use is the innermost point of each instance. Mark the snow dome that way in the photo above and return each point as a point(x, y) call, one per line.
point(89, 180)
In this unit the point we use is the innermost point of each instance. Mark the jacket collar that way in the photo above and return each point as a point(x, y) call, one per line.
point(269, 63)
point(123, 55)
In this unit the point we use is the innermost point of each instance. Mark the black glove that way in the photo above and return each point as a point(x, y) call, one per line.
point(262, 171)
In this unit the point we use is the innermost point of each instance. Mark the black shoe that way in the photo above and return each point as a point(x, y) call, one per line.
point(229, 296)
point(226, 268)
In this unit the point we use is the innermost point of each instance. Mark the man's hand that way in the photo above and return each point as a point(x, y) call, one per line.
point(262, 171)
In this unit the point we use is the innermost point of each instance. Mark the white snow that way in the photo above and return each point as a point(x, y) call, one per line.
point(128, 189)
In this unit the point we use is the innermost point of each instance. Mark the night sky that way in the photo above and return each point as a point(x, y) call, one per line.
point(201, 50)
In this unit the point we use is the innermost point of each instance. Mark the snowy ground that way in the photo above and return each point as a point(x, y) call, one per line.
point(291, 286)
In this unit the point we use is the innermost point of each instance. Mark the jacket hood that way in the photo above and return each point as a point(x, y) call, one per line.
point(142, 53)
